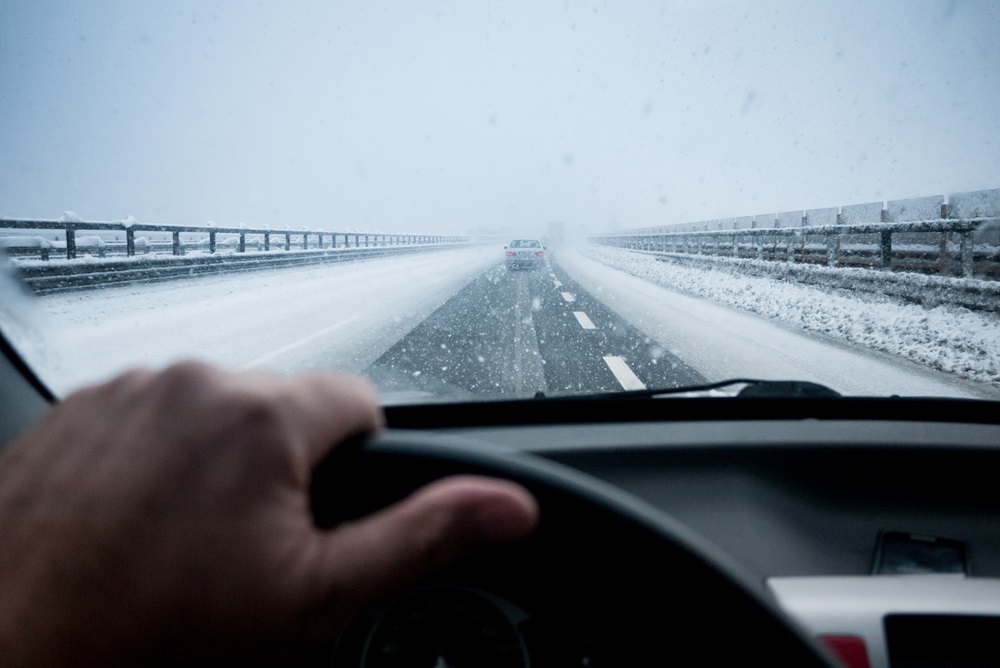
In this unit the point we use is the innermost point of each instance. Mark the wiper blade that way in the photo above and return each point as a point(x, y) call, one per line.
point(755, 388)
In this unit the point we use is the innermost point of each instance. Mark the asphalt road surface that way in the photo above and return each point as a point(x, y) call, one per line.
point(516, 333)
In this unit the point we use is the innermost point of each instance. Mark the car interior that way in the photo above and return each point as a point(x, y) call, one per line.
point(797, 529)
point(790, 152)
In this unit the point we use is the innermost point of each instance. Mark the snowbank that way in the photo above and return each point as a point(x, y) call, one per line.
point(25, 242)
point(951, 339)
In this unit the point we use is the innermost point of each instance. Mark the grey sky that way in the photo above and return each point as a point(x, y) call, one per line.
point(441, 117)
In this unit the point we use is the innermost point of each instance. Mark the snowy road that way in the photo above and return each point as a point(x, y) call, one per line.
point(515, 333)
point(339, 316)
point(458, 325)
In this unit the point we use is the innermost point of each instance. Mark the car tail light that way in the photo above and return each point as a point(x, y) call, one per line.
point(540, 254)
point(511, 254)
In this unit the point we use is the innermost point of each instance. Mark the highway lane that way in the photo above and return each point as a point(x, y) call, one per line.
point(516, 333)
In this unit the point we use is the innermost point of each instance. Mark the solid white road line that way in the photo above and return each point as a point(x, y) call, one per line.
point(584, 321)
point(568, 297)
point(628, 380)
point(300, 342)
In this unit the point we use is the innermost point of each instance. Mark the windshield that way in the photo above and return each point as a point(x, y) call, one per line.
point(479, 201)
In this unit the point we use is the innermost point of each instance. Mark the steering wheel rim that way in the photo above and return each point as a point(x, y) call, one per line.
point(612, 574)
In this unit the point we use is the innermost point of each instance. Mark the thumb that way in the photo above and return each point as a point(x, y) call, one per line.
point(365, 560)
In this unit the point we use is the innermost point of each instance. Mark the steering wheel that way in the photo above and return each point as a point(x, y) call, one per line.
point(605, 580)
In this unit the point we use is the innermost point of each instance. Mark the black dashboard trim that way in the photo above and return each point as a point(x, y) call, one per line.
point(584, 410)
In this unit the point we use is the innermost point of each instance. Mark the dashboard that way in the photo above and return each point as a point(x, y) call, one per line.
point(798, 501)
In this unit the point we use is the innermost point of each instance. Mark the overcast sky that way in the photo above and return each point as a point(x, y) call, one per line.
point(444, 117)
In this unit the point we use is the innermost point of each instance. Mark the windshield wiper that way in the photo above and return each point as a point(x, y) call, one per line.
point(755, 388)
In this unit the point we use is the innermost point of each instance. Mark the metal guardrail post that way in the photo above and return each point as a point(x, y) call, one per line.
point(831, 251)
point(130, 242)
point(288, 242)
point(267, 241)
point(885, 250)
point(176, 243)
point(366, 241)
point(965, 248)
point(70, 243)
point(305, 242)
point(211, 242)
point(943, 263)
point(243, 242)
point(320, 239)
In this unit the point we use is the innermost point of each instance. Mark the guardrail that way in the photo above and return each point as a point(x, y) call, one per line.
point(124, 255)
point(209, 237)
point(950, 247)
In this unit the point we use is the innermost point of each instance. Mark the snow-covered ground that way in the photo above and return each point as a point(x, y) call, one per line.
point(727, 325)
point(339, 316)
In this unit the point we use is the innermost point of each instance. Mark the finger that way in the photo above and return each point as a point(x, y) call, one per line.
point(438, 524)
point(323, 409)
point(308, 414)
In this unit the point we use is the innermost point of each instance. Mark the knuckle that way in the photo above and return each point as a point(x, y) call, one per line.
point(187, 373)
point(216, 399)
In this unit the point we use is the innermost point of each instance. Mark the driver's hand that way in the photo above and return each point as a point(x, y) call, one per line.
point(163, 517)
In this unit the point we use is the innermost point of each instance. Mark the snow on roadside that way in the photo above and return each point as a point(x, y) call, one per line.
point(287, 320)
point(947, 338)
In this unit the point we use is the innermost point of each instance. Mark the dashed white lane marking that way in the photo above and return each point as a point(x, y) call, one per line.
point(623, 373)
point(552, 274)
point(557, 283)
point(568, 297)
point(584, 321)
point(300, 342)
